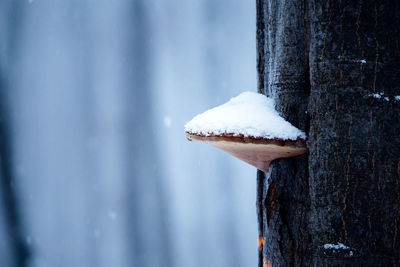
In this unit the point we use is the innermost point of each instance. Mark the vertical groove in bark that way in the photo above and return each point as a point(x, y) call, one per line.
point(260, 20)
point(260, 216)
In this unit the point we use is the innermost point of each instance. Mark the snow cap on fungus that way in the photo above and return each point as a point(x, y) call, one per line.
point(249, 128)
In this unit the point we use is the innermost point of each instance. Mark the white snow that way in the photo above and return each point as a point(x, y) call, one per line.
point(381, 95)
point(376, 95)
point(250, 114)
point(338, 246)
point(362, 61)
point(397, 97)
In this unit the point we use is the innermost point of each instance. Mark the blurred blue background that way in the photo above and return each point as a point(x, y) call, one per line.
point(96, 169)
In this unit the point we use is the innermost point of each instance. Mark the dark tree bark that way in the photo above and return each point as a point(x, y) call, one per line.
point(322, 62)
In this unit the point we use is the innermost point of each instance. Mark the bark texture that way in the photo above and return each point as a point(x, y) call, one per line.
point(333, 68)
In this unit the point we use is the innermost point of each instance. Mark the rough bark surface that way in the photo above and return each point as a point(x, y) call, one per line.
point(322, 61)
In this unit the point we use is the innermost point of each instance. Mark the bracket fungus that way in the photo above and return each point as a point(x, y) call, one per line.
point(249, 128)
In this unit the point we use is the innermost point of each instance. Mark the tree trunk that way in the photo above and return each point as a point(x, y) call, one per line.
point(333, 68)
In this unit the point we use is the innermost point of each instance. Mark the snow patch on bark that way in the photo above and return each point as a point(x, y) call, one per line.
point(338, 248)
point(362, 61)
point(379, 96)
point(249, 114)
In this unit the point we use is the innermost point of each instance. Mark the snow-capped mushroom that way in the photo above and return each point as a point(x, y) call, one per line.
point(249, 128)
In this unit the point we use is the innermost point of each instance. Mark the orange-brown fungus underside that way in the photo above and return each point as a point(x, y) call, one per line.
point(258, 152)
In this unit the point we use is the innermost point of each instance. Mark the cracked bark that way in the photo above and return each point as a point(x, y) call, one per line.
point(321, 61)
